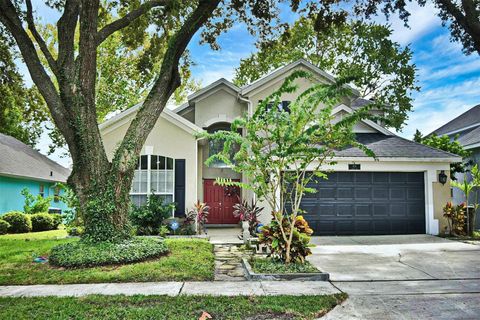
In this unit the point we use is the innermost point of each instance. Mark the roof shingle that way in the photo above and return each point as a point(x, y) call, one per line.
point(19, 159)
point(393, 147)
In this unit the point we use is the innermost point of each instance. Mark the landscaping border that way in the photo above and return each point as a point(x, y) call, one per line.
point(310, 276)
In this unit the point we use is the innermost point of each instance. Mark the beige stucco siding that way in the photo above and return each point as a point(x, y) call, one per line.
point(441, 195)
point(166, 139)
point(303, 84)
point(220, 106)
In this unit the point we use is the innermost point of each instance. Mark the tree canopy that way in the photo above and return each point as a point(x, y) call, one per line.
point(446, 144)
point(461, 17)
point(22, 109)
point(363, 52)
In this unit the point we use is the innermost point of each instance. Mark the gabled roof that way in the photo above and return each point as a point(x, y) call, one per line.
point(272, 75)
point(167, 114)
point(20, 160)
point(368, 122)
point(466, 120)
point(385, 146)
point(219, 82)
point(471, 139)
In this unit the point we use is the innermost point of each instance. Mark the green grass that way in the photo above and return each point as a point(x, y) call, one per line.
point(271, 266)
point(189, 259)
point(163, 307)
point(53, 234)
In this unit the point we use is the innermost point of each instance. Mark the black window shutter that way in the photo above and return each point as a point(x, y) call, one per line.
point(180, 187)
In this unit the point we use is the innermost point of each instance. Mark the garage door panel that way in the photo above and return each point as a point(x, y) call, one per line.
point(363, 203)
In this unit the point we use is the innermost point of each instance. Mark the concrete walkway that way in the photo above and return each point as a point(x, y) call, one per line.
point(218, 288)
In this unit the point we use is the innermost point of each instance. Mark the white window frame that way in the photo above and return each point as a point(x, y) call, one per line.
point(149, 171)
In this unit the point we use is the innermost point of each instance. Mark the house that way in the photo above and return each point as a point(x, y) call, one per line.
point(398, 194)
point(466, 128)
point(23, 167)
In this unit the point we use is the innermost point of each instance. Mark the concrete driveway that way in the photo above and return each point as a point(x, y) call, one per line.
point(401, 277)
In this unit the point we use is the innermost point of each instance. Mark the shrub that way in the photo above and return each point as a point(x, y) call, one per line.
point(19, 222)
point(57, 220)
point(249, 213)
point(4, 225)
point(455, 215)
point(197, 217)
point(271, 235)
point(35, 204)
point(87, 254)
point(75, 231)
point(42, 222)
point(262, 265)
point(148, 218)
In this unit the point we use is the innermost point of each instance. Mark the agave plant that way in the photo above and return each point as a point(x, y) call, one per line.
point(198, 215)
point(249, 213)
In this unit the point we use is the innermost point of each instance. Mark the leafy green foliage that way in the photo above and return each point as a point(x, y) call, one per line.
point(19, 222)
point(35, 204)
point(75, 231)
point(43, 222)
point(272, 266)
point(86, 254)
point(181, 307)
point(379, 67)
point(198, 216)
point(279, 148)
point(467, 186)
point(4, 226)
point(455, 215)
point(22, 109)
point(444, 143)
point(272, 236)
point(148, 217)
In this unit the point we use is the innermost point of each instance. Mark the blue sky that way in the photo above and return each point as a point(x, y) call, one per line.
point(449, 80)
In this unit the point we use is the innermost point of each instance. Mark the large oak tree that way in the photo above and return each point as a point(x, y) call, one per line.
point(67, 81)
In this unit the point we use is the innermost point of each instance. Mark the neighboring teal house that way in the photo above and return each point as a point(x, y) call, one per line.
point(23, 167)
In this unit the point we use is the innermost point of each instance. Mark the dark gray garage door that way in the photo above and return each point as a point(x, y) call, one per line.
point(367, 203)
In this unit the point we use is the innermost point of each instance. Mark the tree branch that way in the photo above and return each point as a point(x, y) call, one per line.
point(123, 22)
point(38, 38)
point(66, 34)
point(10, 19)
point(166, 83)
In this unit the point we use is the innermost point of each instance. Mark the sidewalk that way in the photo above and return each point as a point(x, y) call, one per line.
point(219, 288)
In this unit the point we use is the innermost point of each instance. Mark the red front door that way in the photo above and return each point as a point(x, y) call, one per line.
point(221, 201)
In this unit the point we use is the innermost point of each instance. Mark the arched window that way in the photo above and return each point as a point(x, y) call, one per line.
point(216, 146)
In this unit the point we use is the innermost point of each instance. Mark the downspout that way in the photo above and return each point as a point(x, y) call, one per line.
point(250, 113)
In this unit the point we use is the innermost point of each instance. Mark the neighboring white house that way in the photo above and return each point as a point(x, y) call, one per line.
point(398, 194)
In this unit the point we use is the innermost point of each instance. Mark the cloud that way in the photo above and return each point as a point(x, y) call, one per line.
point(433, 108)
point(421, 21)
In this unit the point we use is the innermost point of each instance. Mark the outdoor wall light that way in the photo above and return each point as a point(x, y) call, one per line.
point(442, 177)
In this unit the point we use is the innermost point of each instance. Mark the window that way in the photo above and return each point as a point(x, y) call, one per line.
point(41, 190)
point(282, 106)
point(154, 175)
point(56, 194)
point(216, 146)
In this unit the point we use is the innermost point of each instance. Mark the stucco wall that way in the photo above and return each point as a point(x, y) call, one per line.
point(168, 140)
point(11, 198)
point(220, 106)
point(264, 91)
point(441, 195)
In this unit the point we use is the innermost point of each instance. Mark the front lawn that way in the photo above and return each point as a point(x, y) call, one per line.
point(164, 307)
point(272, 266)
point(52, 234)
point(189, 259)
